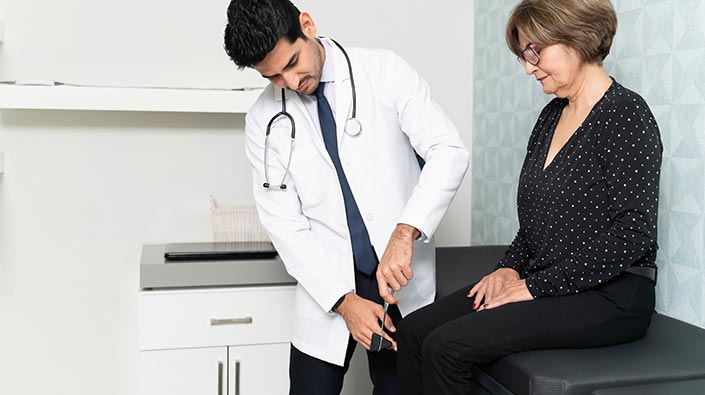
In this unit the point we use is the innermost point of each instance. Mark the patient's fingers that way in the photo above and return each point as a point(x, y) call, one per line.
point(479, 295)
point(491, 291)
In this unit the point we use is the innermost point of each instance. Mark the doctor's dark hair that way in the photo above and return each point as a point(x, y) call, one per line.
point(255, 26)
point(588, 26)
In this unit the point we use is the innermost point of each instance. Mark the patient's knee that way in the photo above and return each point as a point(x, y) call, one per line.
point(436, 347)
point(408, 332)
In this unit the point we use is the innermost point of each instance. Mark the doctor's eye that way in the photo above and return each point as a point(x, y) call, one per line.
point(276, 80)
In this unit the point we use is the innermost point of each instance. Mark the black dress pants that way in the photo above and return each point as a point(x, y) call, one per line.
point(439, 344)
point(312, 376)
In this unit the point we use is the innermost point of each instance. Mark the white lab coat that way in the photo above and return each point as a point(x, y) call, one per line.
point(307, 221)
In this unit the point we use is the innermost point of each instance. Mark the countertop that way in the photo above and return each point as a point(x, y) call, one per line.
point(156, 273)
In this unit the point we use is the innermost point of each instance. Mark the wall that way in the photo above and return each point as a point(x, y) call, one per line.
point(82, 191)
point(659, 51)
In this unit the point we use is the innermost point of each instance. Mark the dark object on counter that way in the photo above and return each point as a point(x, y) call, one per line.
point(237, 250)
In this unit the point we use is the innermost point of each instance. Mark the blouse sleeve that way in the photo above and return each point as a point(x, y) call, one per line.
point(631, 160)
point(517, 255)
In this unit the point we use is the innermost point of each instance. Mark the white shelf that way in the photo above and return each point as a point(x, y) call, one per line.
point(125, 99)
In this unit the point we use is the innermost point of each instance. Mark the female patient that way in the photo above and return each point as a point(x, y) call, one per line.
point(581, 269)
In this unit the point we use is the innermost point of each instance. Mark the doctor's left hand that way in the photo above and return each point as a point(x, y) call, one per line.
point(394, 270)
point(363, 318)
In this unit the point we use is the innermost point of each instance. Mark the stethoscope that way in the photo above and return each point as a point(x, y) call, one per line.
point(352, 128)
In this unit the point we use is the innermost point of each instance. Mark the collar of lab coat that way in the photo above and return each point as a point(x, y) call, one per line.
point(335, 59)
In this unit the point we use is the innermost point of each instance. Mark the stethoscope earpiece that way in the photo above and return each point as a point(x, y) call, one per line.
point(266, 185)
point(352, 127)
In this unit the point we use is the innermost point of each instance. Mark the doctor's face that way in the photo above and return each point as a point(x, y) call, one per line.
point(298, 65)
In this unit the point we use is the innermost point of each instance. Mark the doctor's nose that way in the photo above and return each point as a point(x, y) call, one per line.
point(290, 81)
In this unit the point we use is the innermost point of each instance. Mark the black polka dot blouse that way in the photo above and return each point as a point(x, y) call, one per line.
point(592, 212)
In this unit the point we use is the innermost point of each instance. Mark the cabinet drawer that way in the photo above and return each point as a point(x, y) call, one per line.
point(215, 317)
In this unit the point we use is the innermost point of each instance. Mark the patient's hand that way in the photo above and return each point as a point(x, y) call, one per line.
point(512, 291)
point(491, 285)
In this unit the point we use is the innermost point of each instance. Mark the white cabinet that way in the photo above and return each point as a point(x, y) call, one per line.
point(240, 370)
point(232, 341)
point(262, 369)
point(184, 371)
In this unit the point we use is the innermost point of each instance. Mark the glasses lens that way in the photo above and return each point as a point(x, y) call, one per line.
point(530, 56)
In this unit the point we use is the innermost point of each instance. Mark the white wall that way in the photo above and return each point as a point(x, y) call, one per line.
point(82, 191)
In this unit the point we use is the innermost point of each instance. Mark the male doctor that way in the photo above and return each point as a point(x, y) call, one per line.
point(347, 188)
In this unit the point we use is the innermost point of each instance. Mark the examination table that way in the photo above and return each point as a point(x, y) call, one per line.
point(670, 359)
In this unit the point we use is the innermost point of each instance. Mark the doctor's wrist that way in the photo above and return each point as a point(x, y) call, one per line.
point(339, 302)
point(407, 232)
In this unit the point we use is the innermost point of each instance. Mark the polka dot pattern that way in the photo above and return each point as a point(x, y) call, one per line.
point(592, 212)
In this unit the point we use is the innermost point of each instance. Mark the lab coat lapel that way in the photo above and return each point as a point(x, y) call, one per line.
point(343, 93)
point(296, 107)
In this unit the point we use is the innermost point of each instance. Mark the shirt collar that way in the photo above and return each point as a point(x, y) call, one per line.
point(328, 72)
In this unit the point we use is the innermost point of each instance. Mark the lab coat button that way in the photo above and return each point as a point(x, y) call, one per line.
point(369, 216)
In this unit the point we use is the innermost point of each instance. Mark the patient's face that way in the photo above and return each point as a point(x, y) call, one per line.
point(558, 69)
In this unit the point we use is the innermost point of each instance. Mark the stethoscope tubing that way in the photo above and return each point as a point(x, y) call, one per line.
point(352, 80)
point(283, 113)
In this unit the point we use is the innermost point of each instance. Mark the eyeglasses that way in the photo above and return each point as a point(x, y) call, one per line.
point(529, 54)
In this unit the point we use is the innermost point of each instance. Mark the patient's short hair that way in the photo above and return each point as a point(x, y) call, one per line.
point(588, 26)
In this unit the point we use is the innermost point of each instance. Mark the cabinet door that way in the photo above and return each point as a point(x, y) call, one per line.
point(259, 369)
point(195, 371)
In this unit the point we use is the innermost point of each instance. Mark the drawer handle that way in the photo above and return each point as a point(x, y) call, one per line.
point(220, 377)
point(237, 377)
point(231, 321)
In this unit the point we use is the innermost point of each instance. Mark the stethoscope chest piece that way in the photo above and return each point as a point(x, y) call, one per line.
point(353, 127)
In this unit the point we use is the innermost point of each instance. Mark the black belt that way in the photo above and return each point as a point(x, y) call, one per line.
point(645, 271)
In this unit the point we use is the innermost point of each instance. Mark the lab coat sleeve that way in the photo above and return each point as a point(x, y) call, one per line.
point(435, 139)
point(303, 254)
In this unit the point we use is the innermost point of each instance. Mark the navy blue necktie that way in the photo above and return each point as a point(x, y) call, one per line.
point(365, 258)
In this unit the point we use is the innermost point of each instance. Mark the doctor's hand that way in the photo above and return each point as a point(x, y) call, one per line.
point(362, 318)
point(394, 270)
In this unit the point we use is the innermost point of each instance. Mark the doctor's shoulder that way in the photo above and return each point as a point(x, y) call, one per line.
point(379, 60)
point(267, 104)
point(388, 72)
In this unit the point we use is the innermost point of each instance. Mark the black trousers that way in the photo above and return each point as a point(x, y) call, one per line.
point(312, 376)
point(439, 344)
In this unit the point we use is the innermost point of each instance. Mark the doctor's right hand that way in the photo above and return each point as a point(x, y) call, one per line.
point(394, 270)
point(362, 318)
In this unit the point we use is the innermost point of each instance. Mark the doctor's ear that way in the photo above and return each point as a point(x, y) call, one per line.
point(308, 27)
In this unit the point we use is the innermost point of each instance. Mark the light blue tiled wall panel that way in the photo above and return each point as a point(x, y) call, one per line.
point(659, 52)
